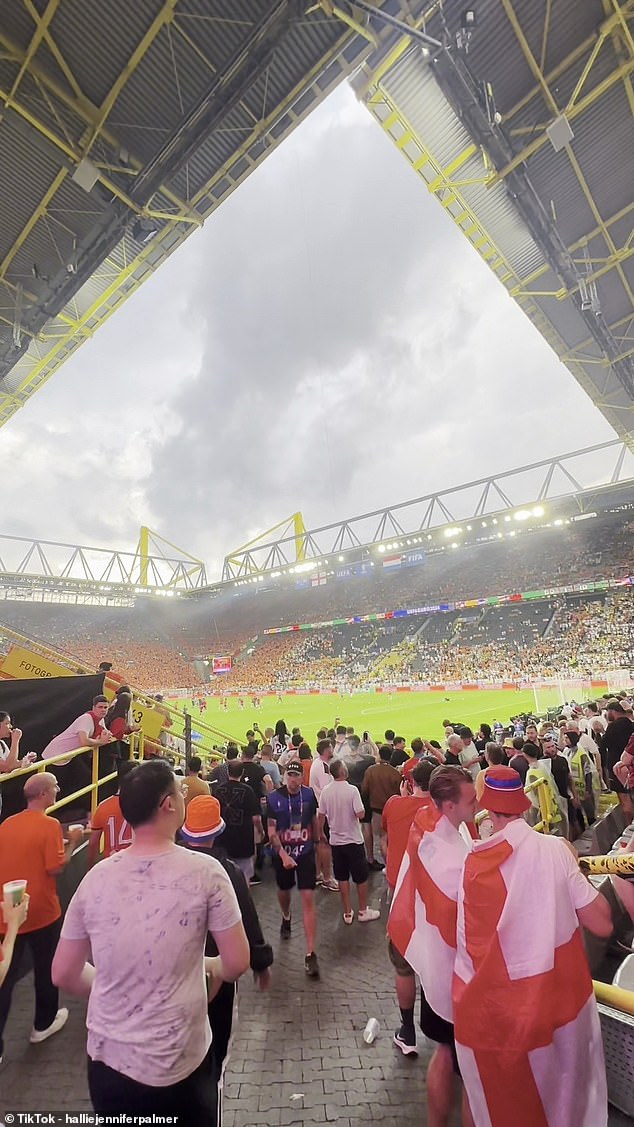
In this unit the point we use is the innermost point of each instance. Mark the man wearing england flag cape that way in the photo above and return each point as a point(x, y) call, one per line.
point(422, 922)
point(527, 1029)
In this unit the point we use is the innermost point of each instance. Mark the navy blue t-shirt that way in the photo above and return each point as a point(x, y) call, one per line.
point(294, 816)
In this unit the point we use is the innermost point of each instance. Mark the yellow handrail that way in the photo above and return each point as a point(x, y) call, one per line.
point(542, 826)
point(614, 996)
point(43, 765)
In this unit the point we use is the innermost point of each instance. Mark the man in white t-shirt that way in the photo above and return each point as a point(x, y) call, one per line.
point(141, 917)
point(342, 805)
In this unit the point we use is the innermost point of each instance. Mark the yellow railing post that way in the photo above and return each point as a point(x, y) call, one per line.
point(94, 794)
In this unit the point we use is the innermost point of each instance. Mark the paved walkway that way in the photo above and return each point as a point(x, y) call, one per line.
point(298, 1054)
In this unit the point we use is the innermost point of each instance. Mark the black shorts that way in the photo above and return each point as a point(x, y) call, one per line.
point(615, 786)
point(349, 861)
point(305, 873)
point(367, 817)
point(437, 1029)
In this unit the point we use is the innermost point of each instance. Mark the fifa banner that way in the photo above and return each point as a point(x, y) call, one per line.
point(22, 664)
point(221, 664)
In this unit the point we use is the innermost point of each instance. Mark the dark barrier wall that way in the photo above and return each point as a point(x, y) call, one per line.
point(42, 708)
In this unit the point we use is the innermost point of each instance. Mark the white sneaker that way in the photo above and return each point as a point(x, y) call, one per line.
point(59, 1021)
point(367, 915)
point(332, 885)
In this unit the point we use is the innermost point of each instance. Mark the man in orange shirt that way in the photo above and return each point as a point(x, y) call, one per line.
point(108, 821)
point(398, 814)
point(32, 849)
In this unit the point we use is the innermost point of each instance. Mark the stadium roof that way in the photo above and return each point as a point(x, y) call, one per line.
point(125, 125)
point(522, 125)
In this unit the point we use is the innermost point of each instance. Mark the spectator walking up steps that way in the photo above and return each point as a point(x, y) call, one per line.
point(293, 832)
point(241, 812)
point(142, 917)
point(398, 814)
point(201, 830)
point(526, 1023)
point(194, 785)
point(342, 805)
point(32, 849)
point(380, 782)
point(319, 778)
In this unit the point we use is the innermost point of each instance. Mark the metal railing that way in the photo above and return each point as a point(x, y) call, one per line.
point(45, 764)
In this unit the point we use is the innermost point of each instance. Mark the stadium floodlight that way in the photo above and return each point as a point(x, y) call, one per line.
point(381, 547)
point(494, 521)
point(484, 524)
point(522, 514)
point(454, 545)
point(538, 511)
point(506, 519)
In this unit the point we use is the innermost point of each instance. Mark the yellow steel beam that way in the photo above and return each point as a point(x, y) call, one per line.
point(583, 77)
point(158, 23)
point(64, 147)
point(41, 25)
point(569, 60)
point(332, 9)
point(87, 112)
point(100, 309)
point(619, 11)
point(599, 90)
point(54, 49)
point(397, 52)
point(551, 102)
point(30, 224)
point(583, 241)
point(544, 50)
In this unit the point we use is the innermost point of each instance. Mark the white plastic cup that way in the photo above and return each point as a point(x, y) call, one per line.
point(77, 826)
point(14, 890)
point(371, 1031)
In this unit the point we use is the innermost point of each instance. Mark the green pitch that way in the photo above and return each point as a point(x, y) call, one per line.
point(409, 714)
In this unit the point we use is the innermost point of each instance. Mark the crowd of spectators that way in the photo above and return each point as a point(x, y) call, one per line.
point(571, 639)
point(154, 643)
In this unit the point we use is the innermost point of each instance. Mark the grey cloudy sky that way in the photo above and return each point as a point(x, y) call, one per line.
point(328, 342)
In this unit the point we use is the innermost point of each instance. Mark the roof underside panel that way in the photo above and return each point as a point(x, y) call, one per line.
point(123, 127)
point(556, 226)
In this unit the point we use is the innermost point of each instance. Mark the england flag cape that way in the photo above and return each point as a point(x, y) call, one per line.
point(527, 1029)
point(422, 921)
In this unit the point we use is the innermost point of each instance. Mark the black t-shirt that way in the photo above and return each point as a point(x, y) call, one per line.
point(615, 740)
point(519, 763)
point(253, 775)
point(238, 804)
point(357, 768)
point(561, 774)
point(398, 757)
